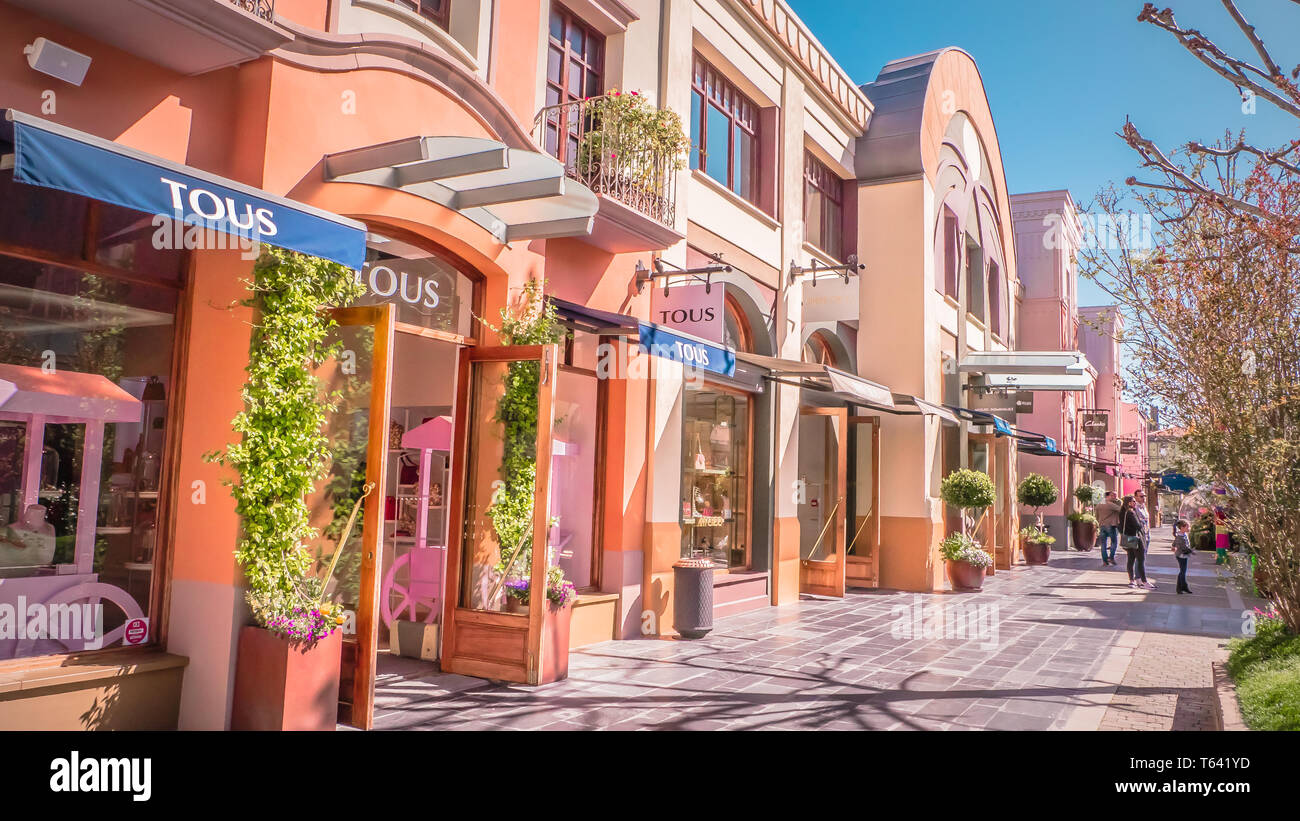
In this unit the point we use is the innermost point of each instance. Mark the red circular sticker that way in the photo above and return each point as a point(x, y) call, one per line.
point(136, 631)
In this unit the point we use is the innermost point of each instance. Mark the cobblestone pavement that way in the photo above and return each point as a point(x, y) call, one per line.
point(1068, 646)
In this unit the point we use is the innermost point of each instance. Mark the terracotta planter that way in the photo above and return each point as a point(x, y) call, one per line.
point(1084, 535)
point(283, 685)
point(555, 643)
point(1035, 552)
point(964, 575)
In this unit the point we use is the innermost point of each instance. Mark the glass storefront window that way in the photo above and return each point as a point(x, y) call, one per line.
point(573, 476)
point(85, 365)
point(715, 477)
point(428, 291)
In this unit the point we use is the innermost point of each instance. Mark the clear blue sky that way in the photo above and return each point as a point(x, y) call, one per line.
point(1062, 76)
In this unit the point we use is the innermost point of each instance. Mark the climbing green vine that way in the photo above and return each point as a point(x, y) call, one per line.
point(283, 450)
point(532, 322)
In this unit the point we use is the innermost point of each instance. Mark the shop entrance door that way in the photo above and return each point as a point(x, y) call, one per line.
point(863, 552)
point(823, 464)
point(358, 375)
point(500, 521)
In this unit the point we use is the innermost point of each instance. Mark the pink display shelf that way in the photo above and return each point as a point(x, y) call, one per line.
point(34, 398)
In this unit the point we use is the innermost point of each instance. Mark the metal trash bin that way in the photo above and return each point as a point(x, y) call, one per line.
point(693, 597)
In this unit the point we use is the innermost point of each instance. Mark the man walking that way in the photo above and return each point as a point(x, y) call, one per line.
point(1108, 524)
point(1144, 517)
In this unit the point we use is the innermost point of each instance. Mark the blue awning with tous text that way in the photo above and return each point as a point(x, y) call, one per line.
point(54, 156)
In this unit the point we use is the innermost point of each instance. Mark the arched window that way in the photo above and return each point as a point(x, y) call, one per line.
point(946, 270)
point(817, 351)
point(995, 300)
point(735, 327)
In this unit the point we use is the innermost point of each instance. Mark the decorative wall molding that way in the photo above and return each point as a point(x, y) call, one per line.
point(801, 46)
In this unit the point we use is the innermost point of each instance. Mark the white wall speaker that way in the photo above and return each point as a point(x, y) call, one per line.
point(58, 61)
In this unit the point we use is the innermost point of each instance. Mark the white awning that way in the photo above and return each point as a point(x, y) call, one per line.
point(1035, 382)
point(1036, 362)
point(514, 193)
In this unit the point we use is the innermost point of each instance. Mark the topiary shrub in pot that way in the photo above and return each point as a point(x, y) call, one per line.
point(966, 561)
point(1083, 522)
point(1036, 491)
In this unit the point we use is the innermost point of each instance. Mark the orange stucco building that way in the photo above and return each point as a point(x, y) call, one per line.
point(801, 234)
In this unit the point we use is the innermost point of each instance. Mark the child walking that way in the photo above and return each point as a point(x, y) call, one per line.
point(1182, 550)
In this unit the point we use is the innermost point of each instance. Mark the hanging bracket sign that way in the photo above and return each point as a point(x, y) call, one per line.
point(694, 353)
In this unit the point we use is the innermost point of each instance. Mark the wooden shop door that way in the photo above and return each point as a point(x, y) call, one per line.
point(823, 465)
point(482, 636)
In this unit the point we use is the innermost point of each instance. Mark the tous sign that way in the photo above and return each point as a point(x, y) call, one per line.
point(209, 206)
point(692, 309)
point(382, 281)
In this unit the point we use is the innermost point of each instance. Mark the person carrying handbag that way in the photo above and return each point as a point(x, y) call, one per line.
point(1134, 544)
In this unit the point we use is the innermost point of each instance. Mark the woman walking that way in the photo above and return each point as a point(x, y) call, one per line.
point(1134, 544)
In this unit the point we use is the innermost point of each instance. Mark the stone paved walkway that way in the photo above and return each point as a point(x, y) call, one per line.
point(1068, 646)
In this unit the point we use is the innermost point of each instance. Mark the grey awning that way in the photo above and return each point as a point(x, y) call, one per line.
point(514, 193)
point(926, 408)
point(840, 384)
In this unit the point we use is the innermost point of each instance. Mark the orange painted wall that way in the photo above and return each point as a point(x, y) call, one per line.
point(124, 98)
point(909, 558)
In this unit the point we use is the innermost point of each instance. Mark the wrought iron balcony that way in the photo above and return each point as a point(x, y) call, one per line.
point(613, 156)
point(264, 9)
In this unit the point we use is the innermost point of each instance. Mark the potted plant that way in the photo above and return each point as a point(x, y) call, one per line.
point(631, 149)
point(287, 661)
point(966, 562)
point(556, 617)
point(1036, 545)
point(1083, 522)
point(530, 321)
point(965, 559)
point(1036, 491)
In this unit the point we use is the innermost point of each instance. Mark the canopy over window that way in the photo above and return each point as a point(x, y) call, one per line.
point(55, 156)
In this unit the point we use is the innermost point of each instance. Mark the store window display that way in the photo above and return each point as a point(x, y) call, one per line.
point(86, 342)
point(715, 477)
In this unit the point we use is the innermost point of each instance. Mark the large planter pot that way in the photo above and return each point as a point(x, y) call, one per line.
point(964, 575)
point(555, 643)
point(1084, 535)
point(284, 685)
point(1035, 552)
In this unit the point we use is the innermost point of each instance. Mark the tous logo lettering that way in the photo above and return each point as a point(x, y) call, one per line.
point(209, 206)
point(383, 281)
point(678, 316)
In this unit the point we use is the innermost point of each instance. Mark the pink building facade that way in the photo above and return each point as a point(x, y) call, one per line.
point(1048, 234)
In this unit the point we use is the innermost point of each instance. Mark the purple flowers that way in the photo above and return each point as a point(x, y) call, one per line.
point(559, 590)
point(302, 624)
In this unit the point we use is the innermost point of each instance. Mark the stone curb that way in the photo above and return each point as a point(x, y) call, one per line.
point(1227, 711)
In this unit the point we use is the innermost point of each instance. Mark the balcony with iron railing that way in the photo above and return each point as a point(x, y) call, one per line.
point(628, 154)
point(264, 9)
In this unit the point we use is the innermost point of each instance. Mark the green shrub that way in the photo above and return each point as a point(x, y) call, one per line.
point(968, 490)
point(962, 548)
point(1088, 496)
point(1036, 491)
point(1266, 669)
point(1035, 536)
point(1082, 517)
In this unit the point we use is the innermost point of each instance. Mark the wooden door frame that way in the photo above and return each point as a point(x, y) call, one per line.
point(381, 319)
point(842, 447)
point(874, 422)
point(989, 536)
point(454, 660)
